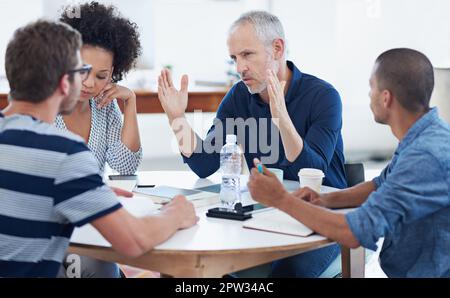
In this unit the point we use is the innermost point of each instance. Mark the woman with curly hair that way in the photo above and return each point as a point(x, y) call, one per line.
point(111, 45)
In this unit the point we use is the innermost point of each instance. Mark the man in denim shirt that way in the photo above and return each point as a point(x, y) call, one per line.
point(409, 204)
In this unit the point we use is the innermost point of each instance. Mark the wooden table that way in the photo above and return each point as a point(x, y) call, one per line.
point(214, 247)
point(206, 100)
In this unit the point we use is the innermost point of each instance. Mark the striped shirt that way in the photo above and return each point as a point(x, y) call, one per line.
point(49, 184)
point(105, 139)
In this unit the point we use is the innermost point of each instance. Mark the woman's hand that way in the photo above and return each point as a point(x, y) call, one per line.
point(113, 91)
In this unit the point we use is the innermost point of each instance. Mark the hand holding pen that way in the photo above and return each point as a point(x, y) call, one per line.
point(264, 186)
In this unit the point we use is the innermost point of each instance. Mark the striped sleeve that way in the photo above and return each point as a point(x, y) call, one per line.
point(80, 194)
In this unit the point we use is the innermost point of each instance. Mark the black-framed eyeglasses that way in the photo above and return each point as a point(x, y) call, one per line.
point(83, 71)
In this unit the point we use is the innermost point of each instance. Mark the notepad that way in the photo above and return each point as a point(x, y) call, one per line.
point(277, 221)
point(127, 185)
point(164, 194)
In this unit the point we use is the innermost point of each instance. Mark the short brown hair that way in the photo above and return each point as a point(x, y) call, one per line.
point(408, 75)
point(38, 55)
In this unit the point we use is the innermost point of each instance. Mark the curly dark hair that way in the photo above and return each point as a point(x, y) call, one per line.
point(103, 26)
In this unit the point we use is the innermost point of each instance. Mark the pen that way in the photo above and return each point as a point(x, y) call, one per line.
point(260, 168)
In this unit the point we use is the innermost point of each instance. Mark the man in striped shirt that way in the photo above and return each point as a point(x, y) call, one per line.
point(49, 180)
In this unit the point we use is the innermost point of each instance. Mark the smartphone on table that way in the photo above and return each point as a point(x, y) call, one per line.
point(123, 177)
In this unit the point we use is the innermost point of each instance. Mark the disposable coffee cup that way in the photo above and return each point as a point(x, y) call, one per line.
point(311, 178)
point(279, 173)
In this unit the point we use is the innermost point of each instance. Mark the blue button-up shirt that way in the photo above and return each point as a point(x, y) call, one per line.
point(315, 109)
point(411, 206)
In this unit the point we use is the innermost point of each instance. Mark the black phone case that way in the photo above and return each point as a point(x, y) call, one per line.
point(231, 214)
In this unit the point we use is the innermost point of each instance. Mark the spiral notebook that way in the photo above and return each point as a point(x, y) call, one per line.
point(276, 221)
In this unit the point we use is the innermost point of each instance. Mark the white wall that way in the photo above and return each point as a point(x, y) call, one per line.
point(191, 35)
point(338, 40)
point(15, 14)
point(441, 95)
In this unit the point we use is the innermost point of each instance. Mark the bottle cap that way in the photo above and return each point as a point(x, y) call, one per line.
point(231, 139)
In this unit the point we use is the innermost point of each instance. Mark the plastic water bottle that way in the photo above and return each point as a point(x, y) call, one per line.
point(230, 167)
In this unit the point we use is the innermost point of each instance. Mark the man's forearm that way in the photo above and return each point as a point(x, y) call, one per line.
point(154, 230)
point(329, 224)
point(186, 137)
point(133, 236)
point(292, 141)
point(351, 197)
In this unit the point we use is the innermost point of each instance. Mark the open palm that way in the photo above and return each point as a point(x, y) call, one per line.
point(173, 101)
point(275, 88)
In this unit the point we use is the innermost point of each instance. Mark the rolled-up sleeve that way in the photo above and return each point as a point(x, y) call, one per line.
point(378, 181)
point(202, 163)
point(119, 157)
point(407, 195)
point(319, 144)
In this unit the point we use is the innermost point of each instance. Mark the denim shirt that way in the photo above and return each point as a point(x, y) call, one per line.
point(411, 206)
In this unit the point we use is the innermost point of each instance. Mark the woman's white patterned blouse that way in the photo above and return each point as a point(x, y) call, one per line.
point(105, 139)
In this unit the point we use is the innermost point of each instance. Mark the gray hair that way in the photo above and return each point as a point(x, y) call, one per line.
point(267, 26)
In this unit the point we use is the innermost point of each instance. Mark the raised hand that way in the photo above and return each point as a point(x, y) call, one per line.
point(275, 88)
point(173, 101)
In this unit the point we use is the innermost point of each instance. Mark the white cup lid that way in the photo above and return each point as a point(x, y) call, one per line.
point(313, 173)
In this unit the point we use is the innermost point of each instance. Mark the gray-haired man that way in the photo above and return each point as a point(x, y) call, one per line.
point(304, 110)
